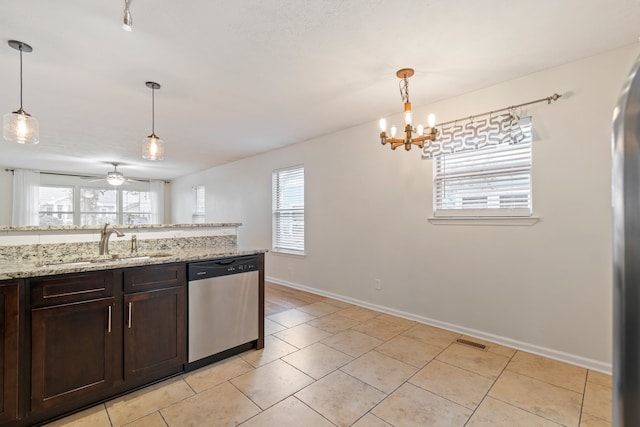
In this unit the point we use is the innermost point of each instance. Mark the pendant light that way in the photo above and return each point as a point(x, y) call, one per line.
point(19, 126)
point(153, 146)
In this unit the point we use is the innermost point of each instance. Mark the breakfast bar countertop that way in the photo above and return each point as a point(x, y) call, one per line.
point(18, 269)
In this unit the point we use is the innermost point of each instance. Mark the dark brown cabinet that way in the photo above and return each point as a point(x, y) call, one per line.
point(9, 351)
point(72, 352)
point(73, 339)
point(155, 323)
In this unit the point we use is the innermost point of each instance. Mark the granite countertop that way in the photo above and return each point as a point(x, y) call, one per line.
point(39, 228)
point(20, 270)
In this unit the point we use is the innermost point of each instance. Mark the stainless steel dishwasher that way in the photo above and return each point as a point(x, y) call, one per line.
point(223, 307)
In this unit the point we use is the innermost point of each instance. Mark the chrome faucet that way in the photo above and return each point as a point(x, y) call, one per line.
point(104, 238)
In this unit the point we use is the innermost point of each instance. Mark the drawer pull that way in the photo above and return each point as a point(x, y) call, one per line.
point(130, 309)
point(109, 323)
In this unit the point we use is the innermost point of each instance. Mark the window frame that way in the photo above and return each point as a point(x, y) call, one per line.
point(77, 213)
point(295, 244)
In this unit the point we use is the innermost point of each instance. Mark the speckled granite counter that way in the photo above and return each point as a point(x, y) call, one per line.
point(49, 250)
point(19, 270)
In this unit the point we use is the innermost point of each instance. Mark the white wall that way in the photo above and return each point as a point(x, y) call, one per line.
point(544, 288)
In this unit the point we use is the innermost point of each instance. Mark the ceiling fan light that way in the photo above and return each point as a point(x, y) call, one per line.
point(20, 127)
point(115, 178)
point(153, 148)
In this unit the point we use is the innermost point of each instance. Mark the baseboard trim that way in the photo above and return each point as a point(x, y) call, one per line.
point(595, 365)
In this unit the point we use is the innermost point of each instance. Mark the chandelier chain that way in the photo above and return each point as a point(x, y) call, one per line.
point(404, 89)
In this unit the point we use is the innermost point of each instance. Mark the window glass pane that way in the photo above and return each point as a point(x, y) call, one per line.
point(98, 206)
point(55, 205)
point(197, 216)
point(136, 207)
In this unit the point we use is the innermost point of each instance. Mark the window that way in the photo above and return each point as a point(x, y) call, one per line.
point(69, 205)
point(491, 181)
point(136, 207)
point(98, 206)
point(198, 205)
point(288, 210)
point(55, 206)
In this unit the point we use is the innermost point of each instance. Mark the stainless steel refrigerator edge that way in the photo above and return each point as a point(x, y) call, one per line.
point(626, 254)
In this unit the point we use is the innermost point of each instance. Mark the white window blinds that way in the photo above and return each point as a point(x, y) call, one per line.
point(288, 210)
point(492, 181)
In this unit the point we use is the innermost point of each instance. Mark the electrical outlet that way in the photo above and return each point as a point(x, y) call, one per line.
point(376, 284)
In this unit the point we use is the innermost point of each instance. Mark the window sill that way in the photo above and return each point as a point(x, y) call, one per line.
point(485, 220)
point(286, 252)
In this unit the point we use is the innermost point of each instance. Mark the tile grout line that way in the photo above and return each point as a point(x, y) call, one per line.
point(492, 385)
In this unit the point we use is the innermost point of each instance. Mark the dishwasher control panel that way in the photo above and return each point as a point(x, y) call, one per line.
point(222, 267)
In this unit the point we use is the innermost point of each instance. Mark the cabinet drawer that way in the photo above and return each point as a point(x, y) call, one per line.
point(70, 288)
point(154, 277)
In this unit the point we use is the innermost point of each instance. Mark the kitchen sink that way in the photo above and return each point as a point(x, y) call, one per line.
point(107, 259)
point(136, 257)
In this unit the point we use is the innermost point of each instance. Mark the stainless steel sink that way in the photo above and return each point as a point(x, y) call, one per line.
point(137, 257)
point(106, 259)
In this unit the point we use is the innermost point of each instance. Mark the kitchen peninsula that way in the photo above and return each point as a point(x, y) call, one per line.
point(80, 326)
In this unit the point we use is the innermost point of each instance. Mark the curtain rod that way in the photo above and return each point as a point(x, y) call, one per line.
point(549, 99)
point(86, 176)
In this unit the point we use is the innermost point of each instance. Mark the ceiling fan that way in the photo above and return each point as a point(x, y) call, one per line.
point(114, 177)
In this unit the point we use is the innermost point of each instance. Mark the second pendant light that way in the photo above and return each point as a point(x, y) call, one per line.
point(153, 146)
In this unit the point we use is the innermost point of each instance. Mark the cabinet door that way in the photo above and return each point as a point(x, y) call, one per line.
point(72, 352)
point(9, 318)
point(154, 333)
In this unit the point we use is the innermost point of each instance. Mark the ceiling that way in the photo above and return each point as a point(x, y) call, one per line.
point(246, 76)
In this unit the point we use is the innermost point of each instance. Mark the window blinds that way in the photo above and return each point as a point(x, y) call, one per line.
point(492, 181)
point(288, 210)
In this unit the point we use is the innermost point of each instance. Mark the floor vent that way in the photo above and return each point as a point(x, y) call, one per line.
point(471, 343)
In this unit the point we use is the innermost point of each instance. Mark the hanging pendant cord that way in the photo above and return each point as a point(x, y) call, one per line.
point(20, 49)
point(153, 110)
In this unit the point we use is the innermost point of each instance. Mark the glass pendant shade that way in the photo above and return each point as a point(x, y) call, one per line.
point(153, 148)
point(20, 127)
point(115, 178)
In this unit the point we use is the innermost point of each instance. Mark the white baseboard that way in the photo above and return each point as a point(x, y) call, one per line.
point(595, 365)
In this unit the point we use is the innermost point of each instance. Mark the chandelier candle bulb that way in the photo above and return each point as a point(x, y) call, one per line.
point(393, 131)
point(383, 125)
point(421, 130)
point(431, 120)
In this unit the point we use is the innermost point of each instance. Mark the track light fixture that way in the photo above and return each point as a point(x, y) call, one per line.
point(153, 146)
point(19, 126)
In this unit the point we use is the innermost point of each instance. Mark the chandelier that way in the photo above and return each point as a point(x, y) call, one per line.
point(421, 134)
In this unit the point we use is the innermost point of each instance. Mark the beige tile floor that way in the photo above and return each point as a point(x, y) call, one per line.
point(328, 363)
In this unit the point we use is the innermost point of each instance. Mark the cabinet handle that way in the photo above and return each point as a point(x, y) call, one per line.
point(109, 322)
point(130, 309)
